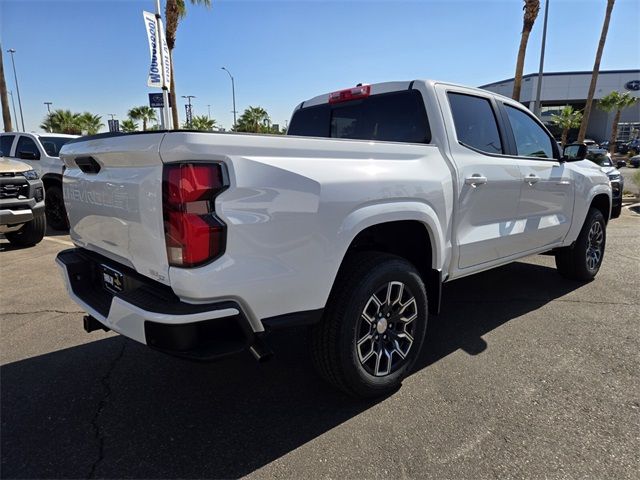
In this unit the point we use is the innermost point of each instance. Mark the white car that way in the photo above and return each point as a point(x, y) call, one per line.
point(41, 151)
point(199, 244)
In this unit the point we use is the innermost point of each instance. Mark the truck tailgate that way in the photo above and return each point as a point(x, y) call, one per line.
point(113, 195)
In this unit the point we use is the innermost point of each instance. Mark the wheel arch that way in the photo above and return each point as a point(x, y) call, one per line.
point(410, 230)
point(50, 179)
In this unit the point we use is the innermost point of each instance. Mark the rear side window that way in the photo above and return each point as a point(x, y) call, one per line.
point(5, 144)
point(531, 139)
point(475, 122)
point(27, 145)
point(390, 117)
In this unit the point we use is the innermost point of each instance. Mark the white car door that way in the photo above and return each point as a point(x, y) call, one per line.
point(546, 201)
point(489, 182)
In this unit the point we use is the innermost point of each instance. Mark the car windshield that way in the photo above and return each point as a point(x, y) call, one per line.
point(52, 145)
point(601, 159)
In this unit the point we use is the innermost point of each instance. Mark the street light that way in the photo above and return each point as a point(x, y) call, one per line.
point(233, 92)
point(188, 108)
point(536, 105)
point(15, 76)
point(48, 104)
point(15, 115)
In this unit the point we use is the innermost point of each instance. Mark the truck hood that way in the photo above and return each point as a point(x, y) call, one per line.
point(12, 166)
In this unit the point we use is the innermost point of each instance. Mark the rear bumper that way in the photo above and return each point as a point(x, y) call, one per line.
point(150, 312)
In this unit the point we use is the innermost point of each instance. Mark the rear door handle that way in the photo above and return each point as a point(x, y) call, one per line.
point(475, 180)
point(531, 179)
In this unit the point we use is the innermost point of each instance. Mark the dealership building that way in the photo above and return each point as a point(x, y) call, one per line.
point(571, 88)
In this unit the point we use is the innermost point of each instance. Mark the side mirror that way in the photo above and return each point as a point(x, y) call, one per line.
point(28, 156)
point(575, 151)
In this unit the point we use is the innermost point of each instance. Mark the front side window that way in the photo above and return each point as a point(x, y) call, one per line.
point(531, 139)
point(27, 146)
point(475, 122)
point(5, 144)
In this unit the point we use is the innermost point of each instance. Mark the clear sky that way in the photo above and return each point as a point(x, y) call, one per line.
point(93, 54)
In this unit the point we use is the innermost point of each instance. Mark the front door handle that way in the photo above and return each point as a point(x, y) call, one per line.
point(531, 179)
point(475, 180)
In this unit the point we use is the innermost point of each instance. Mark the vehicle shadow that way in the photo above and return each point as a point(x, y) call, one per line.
point(113, 408)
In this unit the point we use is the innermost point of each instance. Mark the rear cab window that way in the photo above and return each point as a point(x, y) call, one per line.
point(390, 117)
point(27, 145)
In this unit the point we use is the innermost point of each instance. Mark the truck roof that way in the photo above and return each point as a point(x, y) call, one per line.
point(386, 87)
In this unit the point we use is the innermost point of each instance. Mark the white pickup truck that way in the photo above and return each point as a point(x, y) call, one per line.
point(198, 244)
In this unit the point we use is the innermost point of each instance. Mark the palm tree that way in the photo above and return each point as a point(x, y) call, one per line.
point(62, 121)
point(4, 98)
point(254, 119)
point(202, 122)
point(568, 118)
point(616, 102)
point(143, 113)
point(90, 123)
point(531, 9)
point(175, 10)
point(596, 69)
point(128, 126)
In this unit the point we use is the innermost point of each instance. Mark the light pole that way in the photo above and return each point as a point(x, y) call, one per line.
point(112, 115)
point(188, 108)
point(48, 104)
point(536, 105)
point(15, 76)
point(15, 115)
point(233, 92)
point(209, 112)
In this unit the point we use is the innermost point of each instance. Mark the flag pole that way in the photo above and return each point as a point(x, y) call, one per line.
point(166, 122)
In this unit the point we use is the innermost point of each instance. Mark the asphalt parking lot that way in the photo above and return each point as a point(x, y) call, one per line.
point(524, 374)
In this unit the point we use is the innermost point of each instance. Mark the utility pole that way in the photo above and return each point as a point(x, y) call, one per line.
point(536, 106)
point(233, 93)
point(188, 108)
point(4, 100)
point(15, 76)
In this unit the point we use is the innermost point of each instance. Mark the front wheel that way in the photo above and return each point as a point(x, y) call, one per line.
point(30, 234)
point(54, 208)
point(374, 325)
point(583, 260)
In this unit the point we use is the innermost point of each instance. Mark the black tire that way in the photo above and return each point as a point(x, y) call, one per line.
point(616, 211)
point(335, 352)
point(583, 260)
point(30, 234)
point(54, 207)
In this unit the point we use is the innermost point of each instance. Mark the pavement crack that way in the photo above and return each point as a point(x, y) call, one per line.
point(41, 311)
point(95, 421)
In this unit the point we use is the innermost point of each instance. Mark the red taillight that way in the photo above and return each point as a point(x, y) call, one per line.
point(350, 94)
point(194, 235)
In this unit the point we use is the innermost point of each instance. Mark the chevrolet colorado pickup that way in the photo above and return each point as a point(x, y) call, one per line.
point(198, 244)
point(41, 151)
point(22, 219)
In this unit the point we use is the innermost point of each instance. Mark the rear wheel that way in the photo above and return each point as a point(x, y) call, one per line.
point(374, 325)
point(30, 234)
point(54, 207)
point(583, 260)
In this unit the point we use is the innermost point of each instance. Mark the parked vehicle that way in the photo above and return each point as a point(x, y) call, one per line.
point(22, 219)
point(198, 244)
point(41, 151)
point(635, 161)
point(602, 158)
point(591, 144)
